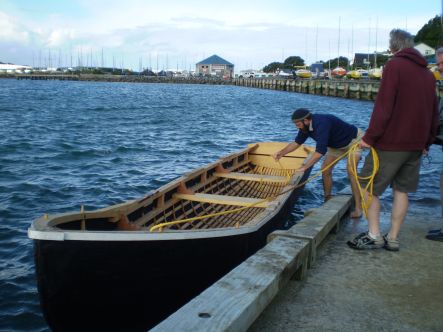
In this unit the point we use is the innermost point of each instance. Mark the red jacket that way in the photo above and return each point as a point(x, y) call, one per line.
point(405, 114)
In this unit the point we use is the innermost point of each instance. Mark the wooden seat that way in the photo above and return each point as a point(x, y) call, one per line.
point(252, 177)
point(223, 199)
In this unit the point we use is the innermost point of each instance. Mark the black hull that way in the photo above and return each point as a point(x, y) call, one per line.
point(133, 285)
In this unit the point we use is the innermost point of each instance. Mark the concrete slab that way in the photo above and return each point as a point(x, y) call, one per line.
point(349, 290)
point(318, 223)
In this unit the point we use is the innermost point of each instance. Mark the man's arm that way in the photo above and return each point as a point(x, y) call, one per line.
point(315, 157)
point(288, 148)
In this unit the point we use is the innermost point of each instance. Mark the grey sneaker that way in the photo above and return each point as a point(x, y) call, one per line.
point(364, 241)
point(391, 245)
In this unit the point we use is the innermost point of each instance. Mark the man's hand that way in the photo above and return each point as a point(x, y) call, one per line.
point(277, 156)
point(364, 145)
point(301, 169)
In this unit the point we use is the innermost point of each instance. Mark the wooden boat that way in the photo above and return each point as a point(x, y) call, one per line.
point(128, 266)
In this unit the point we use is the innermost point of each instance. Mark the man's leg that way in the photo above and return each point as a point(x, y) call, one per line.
point(399, 210)
point(374, 216)
point(372, 239)
point(354, 187)
point(327, 176)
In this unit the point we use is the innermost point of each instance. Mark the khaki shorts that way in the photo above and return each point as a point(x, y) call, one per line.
point(341, 151)
point(399, 169)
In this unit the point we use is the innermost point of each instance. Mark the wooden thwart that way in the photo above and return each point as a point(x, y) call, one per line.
point(252, 177)
point(223, 199)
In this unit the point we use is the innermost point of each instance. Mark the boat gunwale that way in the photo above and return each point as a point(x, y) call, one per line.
point(52, 233)
point(42, 228)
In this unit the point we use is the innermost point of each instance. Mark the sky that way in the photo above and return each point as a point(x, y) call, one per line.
point(176, 34)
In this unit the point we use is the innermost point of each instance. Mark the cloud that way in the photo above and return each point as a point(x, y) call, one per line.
point(59, 37)
point(11, 30)
point(187, 32)
point(184, 41)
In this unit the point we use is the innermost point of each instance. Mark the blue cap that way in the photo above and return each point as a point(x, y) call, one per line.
point(300, 114)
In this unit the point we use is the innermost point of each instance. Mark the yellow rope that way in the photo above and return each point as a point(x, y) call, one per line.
point(366, 192)
point(181, 221)
point(365, 199)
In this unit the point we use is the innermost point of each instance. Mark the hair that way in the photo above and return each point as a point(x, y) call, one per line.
point(400, 39)
point(439, 51)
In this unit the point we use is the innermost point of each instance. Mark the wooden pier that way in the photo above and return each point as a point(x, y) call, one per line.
point(361, 89)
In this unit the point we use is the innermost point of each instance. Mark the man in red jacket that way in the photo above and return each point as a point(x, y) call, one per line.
point(402, 127)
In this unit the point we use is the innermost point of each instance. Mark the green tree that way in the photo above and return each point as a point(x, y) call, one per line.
point(293, 61)
point(332, 63)
point(431, 33)
point(381, 60)
point(272, 67)
point(97, 71)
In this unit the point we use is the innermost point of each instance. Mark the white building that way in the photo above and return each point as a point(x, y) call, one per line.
point(10, 68)
point(215, 66)
point(424, 49)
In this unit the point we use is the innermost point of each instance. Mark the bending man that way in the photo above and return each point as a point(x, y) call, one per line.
point(334, 137)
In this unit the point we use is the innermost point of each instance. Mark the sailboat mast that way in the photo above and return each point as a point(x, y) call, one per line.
point(329, 62)
point(338, 46)
point(352, 47)
point(369, 43)
point(316, 43)
point(375, 57)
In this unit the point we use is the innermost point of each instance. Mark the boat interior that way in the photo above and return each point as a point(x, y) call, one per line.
point(231, 192)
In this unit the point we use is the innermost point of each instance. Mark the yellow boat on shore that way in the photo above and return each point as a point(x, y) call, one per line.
point(303, 73)
point(353, 74)
point(375, 73)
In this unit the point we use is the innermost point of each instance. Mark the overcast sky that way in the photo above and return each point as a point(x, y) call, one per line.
point(177, 34)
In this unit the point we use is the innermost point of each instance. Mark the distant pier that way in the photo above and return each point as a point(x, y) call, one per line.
point(354, 89)
point(363, 89)
point(344, 88)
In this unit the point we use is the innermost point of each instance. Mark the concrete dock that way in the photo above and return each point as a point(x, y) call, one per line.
point(308, 279)
point(376, 290)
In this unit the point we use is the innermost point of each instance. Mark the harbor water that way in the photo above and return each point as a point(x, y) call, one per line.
point(65, 144)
